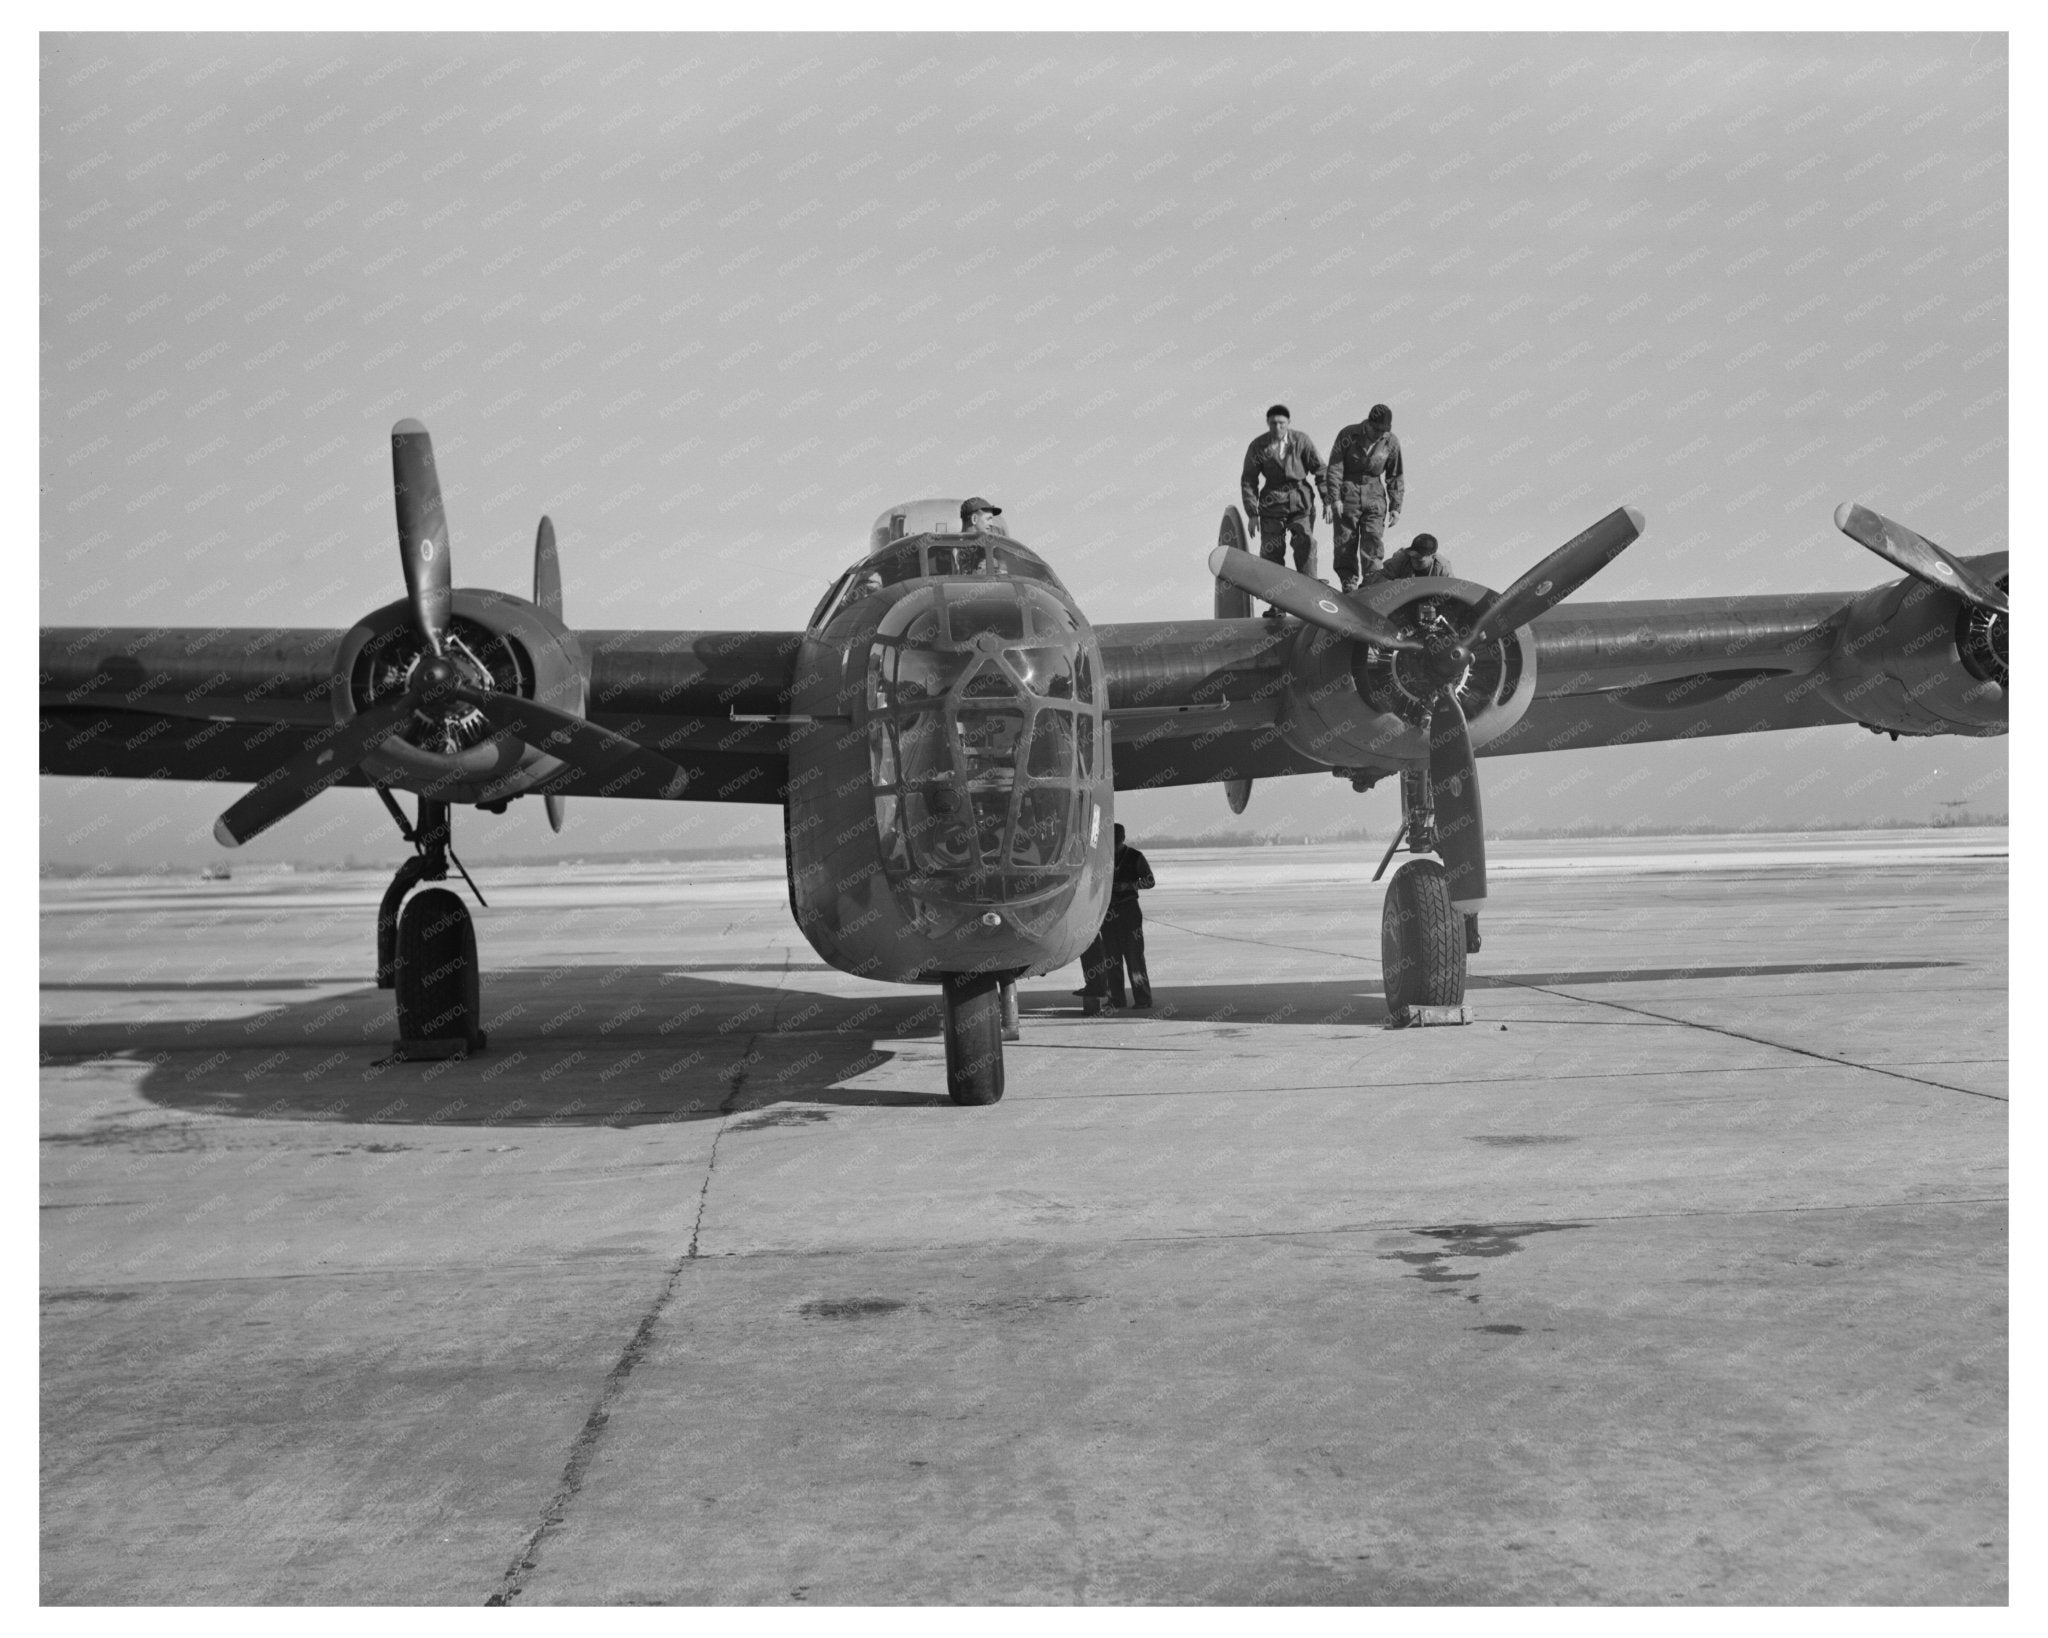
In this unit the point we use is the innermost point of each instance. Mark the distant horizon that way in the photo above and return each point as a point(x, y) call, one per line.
point(68, 870)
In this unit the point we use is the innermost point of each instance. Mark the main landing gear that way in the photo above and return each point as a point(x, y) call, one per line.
point(974, 1037)
point(1424, 939)
point(426, 952)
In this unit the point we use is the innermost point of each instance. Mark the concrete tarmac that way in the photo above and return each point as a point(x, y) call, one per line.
point(1679, 1278)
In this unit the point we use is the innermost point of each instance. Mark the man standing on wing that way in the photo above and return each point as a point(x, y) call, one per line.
point(1364, 487)
point(1278, 487)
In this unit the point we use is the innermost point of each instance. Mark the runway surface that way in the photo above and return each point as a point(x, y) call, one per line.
point(1680, 1277)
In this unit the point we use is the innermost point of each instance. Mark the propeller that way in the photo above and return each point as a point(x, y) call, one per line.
point(1308, 599)
point(1918, 556)
point(330, 757)
point(547, 596)
point(437, 681)
point(1445, 658)
point(1454, 793)
point(1560, 574)
point(422, 533)
point(578, 741)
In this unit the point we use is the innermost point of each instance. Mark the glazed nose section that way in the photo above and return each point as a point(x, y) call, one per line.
point(983, 737)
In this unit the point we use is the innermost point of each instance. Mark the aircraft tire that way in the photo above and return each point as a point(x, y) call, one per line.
point(974, 1039)
point(1422, 939)
point(435, 974)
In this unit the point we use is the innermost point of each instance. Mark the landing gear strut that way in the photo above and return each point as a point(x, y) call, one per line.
point(974, 1038)
point(426, 952)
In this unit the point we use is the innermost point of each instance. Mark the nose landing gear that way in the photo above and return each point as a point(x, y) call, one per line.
point(974, 1037)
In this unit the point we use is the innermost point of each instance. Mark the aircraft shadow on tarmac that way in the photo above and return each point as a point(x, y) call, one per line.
point(633, 1044)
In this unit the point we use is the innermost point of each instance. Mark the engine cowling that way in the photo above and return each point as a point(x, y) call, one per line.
point(1350, 704)
point(499, 642)
point(1913, 658)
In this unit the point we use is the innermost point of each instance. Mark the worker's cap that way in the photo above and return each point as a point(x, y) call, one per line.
point(1119, 833)
point(974, 503)
point(1381, 414)
point(1424, 546)
point(1278, 409)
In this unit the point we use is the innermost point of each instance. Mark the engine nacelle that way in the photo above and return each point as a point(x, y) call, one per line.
point(501, 643)
point(1913, 658)
point(1349, 705)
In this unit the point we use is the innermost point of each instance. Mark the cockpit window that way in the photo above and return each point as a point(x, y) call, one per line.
point(865, 579)
point(1022, 565)
point(955, 557)
point(894, 562)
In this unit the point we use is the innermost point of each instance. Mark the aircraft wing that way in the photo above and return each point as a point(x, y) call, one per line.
point(226, 704)
point(1201, 701)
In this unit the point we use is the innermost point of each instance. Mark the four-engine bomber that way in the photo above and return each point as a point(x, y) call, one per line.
point(947, 734)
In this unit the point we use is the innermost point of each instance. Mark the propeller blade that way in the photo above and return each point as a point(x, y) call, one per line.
point(422, 532)
point(1454, 789)
point(547, 572)
point(1917, 555)
point(1232, 603)
point(1307, 599)
point(1560, 574)
point(558, 811)
point(324, 762)
point(578, 741)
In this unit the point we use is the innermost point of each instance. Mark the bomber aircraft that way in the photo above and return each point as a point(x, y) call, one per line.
point(947, 735)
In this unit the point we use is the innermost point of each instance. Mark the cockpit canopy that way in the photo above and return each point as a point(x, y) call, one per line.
point(923, 540)
point(920, 517)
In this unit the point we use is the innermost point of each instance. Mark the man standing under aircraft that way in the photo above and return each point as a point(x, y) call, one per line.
point(1278, 487)
point(1120, 945)
point(1364, 488)
point(1416, 561)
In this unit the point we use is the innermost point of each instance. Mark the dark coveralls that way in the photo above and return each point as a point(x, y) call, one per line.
point(1121, 942)
point(1407, 565)
point(1365, 486)
point(1278, 487)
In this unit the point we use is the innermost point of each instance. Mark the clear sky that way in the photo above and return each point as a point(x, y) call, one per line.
point(715, 301)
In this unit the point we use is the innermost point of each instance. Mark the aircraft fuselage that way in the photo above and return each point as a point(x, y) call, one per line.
point(950, 799)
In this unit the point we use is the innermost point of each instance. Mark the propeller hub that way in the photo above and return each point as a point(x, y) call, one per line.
point(437, 677)
point(1445, 660)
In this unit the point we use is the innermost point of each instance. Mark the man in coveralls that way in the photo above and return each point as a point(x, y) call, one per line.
point(1364, 488)
point(1417, 561)
point(1121, 942)
point(1278, 487)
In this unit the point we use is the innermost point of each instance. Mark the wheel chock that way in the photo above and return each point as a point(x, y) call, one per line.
point(1426, 1017)
point(423, 1048)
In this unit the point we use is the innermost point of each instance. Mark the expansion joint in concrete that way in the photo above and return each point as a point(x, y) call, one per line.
point(1762, 1040)
point(584, 1449)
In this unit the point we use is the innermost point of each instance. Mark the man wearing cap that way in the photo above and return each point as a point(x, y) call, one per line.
point(1278, 487)
point(1364, 488)
point(1417, 561)
point(980, 515)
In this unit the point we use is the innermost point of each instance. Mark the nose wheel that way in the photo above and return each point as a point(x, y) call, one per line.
point(974, 1038)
